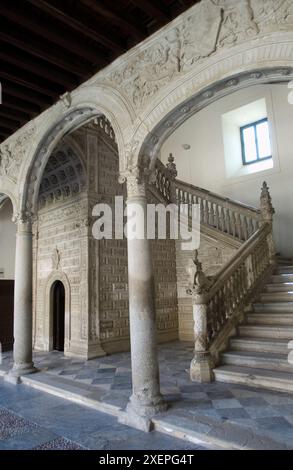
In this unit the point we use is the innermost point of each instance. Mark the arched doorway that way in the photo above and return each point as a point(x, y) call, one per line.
point(58, 314)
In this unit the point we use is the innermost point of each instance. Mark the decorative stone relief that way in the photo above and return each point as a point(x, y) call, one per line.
point(213, 24)
point(56, 259)
point(13, 154)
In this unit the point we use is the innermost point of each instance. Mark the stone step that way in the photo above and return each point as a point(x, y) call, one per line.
point(270, 318)
point(264, 345)
point(277, 297)
point(279, 278)
point(267, 331)
point(285, 269)
point(283, 287)
point(269, 307)
point(261, 378)
point(257, 360)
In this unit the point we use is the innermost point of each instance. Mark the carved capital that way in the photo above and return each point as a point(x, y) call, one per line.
point(137, 178)
point(24, 221)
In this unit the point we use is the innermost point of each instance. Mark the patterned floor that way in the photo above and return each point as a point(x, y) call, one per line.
point(261, 410)
point(34, 420)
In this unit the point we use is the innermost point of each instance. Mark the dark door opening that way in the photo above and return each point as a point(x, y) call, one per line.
point(58, 316)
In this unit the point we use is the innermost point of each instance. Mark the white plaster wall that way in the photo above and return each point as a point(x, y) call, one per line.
point(7, 241)
point(204, 164)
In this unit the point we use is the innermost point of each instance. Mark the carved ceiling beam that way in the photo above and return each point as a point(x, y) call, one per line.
point(58, 12)
point(125, 22)
point(13, 114)
point(28, 20)
point(24, 61)
point(11, 89)
point(31, 43)
point(29, 81)
point(153, 9)
point(21, 105)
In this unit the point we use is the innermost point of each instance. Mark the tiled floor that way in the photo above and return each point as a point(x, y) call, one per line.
point(266, 412)
point(30, 419)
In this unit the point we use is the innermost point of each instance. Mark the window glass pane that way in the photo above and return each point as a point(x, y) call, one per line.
point(263, 140)
point(250, 153)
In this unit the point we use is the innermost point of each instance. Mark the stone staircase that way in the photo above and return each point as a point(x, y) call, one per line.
point(258, 355)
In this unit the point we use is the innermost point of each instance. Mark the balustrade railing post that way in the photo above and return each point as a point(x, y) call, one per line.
point(172, 171)
point(267, 212)
point(201, 367)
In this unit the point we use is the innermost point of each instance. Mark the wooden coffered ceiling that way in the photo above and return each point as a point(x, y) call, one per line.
point(48, 47)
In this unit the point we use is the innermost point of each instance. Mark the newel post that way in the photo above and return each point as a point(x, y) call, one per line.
point(267, 212)
point(172, 171)
point(201, 367)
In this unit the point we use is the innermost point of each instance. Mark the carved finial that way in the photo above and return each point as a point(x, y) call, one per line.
point(266, 206)
point(201, 283)
point(171, 166)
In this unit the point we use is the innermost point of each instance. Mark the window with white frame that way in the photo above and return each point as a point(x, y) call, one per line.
point(255, 142)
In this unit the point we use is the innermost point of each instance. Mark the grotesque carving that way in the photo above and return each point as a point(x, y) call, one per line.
point(12, 155)
point(5, 160)
point(213, 24)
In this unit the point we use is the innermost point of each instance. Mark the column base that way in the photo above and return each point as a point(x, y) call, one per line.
point(201, 368)
point(140, 416)
point(18, 370)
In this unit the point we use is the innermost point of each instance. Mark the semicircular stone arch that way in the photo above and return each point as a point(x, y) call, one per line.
point(240, 68)
point(85, 105)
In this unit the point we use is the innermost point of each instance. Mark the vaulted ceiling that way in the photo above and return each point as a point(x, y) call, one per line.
point(48, 47)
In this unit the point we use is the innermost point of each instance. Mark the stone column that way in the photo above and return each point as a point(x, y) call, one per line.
point(22, 352)
point(202, 364)
point(146, 399)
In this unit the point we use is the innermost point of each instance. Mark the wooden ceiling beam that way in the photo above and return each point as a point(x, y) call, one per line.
point(87, 28)
point(9, 123)
point(8, 72)
point(26, 19)
point(21, 105)
point(21, 92)
point(25, 61)
point(124, 22)
point(14, 114)
point(5, 130)
point(31, 43)
point(153, 9)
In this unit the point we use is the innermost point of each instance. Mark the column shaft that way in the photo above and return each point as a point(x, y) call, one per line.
point(22, 352)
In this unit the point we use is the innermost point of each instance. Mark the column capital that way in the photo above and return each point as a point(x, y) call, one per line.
point(136, 179)
point(24, 220)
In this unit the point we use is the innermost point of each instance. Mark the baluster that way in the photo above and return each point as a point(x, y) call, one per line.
point(206, 212)
point(245, 228)
point(216, 219)
point(238, 226)
point(201, 206)
point(233, 224)
point(250, 227)
point(222, 219)
point(228, 222)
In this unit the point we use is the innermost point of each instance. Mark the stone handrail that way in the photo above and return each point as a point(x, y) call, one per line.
point(219, 304)
point(237, 280)
point(221, 213)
